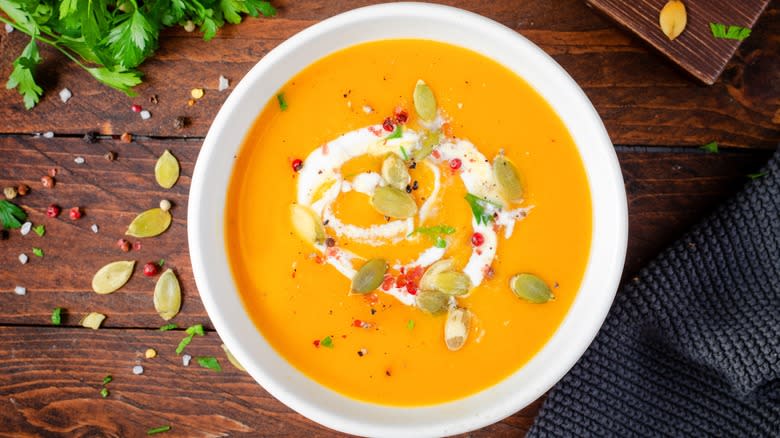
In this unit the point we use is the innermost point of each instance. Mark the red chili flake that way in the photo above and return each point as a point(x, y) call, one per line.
point(455, 163)
point(388, 282)
point(400, 281)
point(53, 210)
point(357, 323)
point(137, 246)
point(401, 116)
point(151, 269)
point(375, 131)
point(316, 343)
point(297, 164)
point(415, 274)
point(136, 108)
point(387, 125)
point(477, 239)
point(436, 154)
point(411, 288)
point(371, 298)
point(75, 213)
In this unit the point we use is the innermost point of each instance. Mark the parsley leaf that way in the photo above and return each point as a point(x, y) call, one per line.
point(397, 133)
point(167, 327)
point(435, 233)
point(56, 316)
point(11, 215)
point(37, 251)
point(132, 40)
point(327, 341)
point(481, 208)
point(410, 324)
point(282, 102)
point(22, 75)
point(209, 362)
point(710, 148)
point(117, 78)
point(39, 230)
point(729, 33)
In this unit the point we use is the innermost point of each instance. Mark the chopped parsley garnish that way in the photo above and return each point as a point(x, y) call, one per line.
point(397, 133)
point(434, 233)
point(167, 327)
point(156, 430)
point(196, 329)
point(403, 152)
point(481, 208)
point(37, 251)
point(282, 101)
point(209, 362)
point(107, 379)
point(729, 32)
point(410, 324)
point(440, 242)
point(757, 175)
point(710, 148)
point(104, 392)
point(56, 316)
point(161, 263)
point(327, 342)
point(11, 215)
point(39, 230)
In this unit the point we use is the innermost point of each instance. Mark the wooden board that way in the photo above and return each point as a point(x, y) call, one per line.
point(695, 50)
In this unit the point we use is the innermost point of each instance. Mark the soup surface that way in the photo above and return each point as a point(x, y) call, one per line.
point(374, 164)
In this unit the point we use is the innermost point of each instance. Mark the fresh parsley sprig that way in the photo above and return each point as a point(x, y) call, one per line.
point(11, 215)
point(482, 208)
point(110, 38)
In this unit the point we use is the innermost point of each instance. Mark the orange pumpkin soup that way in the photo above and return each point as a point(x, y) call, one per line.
point(407, 222)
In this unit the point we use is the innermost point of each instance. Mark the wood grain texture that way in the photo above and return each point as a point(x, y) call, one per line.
point(641, 97)
point(695, 50)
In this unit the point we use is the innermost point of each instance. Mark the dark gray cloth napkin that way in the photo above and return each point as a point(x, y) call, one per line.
point(692, 346)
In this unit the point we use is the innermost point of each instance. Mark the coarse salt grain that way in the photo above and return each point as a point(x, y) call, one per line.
point(8, 28)
point(65, 95)
point(138, 369)
point(18, 290)
point(48, 134)
point(79, 160)
point(145, 114)
point(185, 360)
point(94, 228)
point(26, 227)
point(367, 109)
point(23, 258)
point(223, 83)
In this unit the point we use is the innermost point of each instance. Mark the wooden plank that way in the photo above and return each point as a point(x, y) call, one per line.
point(695, 50)
point(641, 97)
point(52, 378)
point(667, 193)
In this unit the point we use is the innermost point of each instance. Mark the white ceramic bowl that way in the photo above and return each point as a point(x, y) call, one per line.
point(215, 164)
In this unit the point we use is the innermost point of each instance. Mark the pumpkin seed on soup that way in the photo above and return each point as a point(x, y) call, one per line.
point(112, 276)
point(167, 295)
point(531, 288)
point(369, 276)
point(429, 141)
point(432, 301)
point(456, 328)
point(426, 282)
point(507, 178)
point(307, 224)
point(452, 283)
point(150, 223)
point(166, 171)
point(394, 203)
point(394, 172)
point(424, 101)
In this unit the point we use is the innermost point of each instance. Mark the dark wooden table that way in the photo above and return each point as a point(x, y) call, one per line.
point(51, 377)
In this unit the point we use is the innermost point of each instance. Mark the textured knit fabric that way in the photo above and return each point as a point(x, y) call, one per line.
point(691, 348)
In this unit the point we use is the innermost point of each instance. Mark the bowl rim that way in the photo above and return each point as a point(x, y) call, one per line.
point(321, 404)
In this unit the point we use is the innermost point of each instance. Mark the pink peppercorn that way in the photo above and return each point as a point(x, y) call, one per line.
point(477, 239)
point(297, 164)
point(455, 163)
point(151, 269)
point(136, 108)
point(75, 213)
point(387, 125)
point(53, 210)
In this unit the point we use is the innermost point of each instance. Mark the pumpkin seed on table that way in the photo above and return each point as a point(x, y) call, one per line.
point(394, 203)
point(673, 19)
point(432, 301)
point(426, 282)
point(167, 295)
point(531, 288)
point(150, 223)
point(451, 283)
point(424, 101)
point(112, 276)
point(394, 172)
point(508, 178)
point(232, 359)
point(430, 139)
point(456, 328)
point(93, 320)
point(369, 276)
point(307, 224)
point(166, 170)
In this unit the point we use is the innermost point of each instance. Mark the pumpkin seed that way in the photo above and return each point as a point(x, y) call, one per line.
point(392, 202)
point(112, 276)
point(507, 178)
point(452, 283)
point(673, 19)
point(306, 223)
point(429, 141)
point(93, 320)
point(432, 301)
point(530, 287)
point(167, 295)
point(426, 282)
point(369, 276)
point(456, 328)
point(424, 101)
point(150, 223)
point(232, 358)
point(394, 172)
point(166, 171)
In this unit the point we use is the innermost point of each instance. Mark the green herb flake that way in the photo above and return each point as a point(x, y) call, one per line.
point(725, 32)
point(403, 153)
point(104, 392)
point(397, 133)
point(433, 230)
point(37, 251)
point(710, 148)
point(327, 341)
point(11, 215)
point(183, 344)
point(196, 329)
point(161, 263)
point(757, 175)
point(156, 430)
point(56, 316)
point(107, 379)
point(410, 324)
point(440, 242)
point(282, 101)
point(167, 327)
point(209, 362)
point(39, 230)
point(481, 208)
